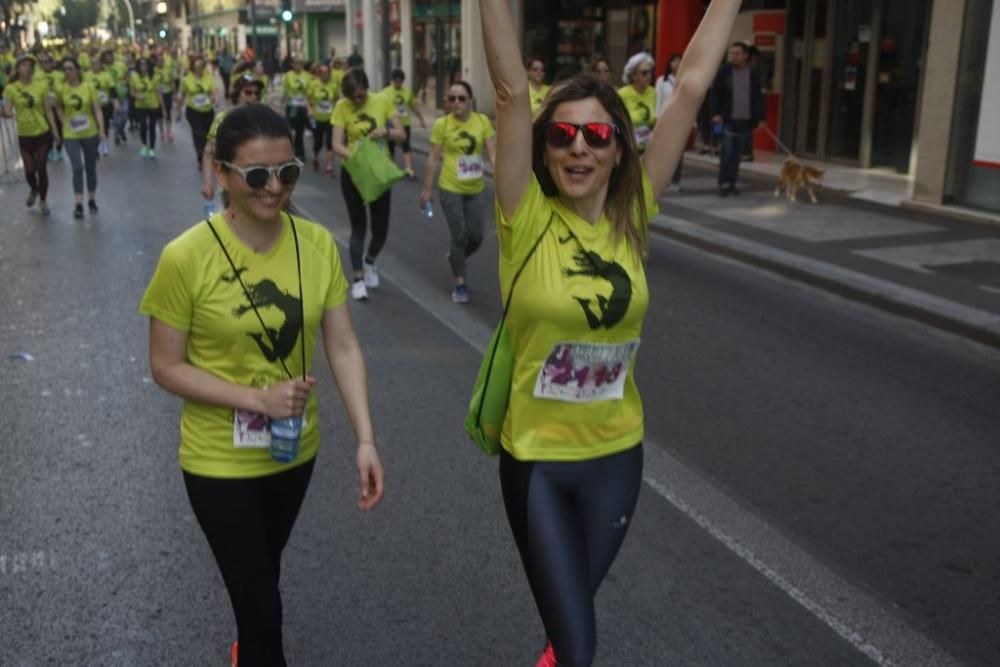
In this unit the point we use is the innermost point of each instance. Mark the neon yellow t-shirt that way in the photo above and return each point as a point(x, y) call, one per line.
point(358, 122)
point(322, 97)
point(462, 145)
point(642, 110)
point(28, 102)
point(575, 323)
point(198, 91)
point(78, 110)
point(402, 100)
point(194, 290)
point(143, 89)
point(213, 129)
point(537, 97)
point(103, 82)
point(295, 87)
point(52, 79)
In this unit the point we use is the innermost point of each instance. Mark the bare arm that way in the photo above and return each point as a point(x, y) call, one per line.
point(397, 133)
point(99, 117)
point(340, 143)
point(207, 173)
point(503, 57)
point(172, 371)
point(696, 74)
point(491, 151)
point(343, 352)
point(50, 116)
point(430, 169)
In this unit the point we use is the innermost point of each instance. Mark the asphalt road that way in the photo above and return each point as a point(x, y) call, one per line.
point(865, 444)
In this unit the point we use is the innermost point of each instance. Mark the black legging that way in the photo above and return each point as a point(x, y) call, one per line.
point(322, 137)
point(247, 523)
point(168, 104)
point(358, 213)
point(569, 520)
point(200, 122)
point(147, 126)
point(297, 118)
point(34, 154)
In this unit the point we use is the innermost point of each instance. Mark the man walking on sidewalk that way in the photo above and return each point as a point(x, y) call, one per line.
point(737, 102)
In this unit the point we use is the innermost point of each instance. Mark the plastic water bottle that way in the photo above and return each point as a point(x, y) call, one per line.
point(285, 439)
point(428, 210)
point(717, 128)
point(103, 148)
point(209, 208)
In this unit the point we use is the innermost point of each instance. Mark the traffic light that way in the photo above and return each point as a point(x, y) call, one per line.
point(286, 11)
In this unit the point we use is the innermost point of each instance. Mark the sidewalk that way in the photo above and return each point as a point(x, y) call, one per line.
point(934, 269)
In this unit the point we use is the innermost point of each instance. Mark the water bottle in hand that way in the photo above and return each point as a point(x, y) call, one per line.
point(428, 210)
point(209, 208)
point(285, 439)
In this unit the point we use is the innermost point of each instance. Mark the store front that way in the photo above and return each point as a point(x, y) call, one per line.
point(437, 49)
point(852, 79)
point(569, 34)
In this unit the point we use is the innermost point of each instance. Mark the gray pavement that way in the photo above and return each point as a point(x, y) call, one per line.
point(821, 478)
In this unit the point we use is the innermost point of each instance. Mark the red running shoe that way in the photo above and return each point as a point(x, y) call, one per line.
point(548, 658)
point(236, 653)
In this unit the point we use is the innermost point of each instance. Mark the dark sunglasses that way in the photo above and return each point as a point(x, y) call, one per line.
point(597, 135)
point(458, 98)
point(251, 91)
point(258, 176)
point(644, 72)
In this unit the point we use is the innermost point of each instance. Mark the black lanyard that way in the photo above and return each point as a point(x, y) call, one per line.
point(302, 299)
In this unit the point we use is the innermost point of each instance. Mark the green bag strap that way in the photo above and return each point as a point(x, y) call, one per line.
point(510, 293)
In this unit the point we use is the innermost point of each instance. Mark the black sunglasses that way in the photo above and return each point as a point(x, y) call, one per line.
point(597, 135)
point(258, 176)
point(458, 98)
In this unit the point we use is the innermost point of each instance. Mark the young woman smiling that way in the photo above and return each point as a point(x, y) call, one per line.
point(574, 199)
point(237, 344)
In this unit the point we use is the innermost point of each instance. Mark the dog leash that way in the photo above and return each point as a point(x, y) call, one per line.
point(780, 145)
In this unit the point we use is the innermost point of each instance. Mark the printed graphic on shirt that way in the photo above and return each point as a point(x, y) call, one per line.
point(274, 345)
point(601, 311)
point(585, 372)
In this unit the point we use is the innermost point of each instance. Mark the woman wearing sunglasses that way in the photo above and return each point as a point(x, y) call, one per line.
point(639, 96)
point(574, 199)
point(235, 307)
point(83, 129)
point(359, 115)
point(460, 137)
point(245, 89)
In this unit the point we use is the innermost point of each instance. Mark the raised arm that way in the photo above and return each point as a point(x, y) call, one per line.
point(503, 57)
point(695, 77)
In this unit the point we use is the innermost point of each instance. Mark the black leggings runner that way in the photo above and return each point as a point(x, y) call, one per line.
point(200, 122)
point(34, 153)
point(569, 519)
point(358, 213)
point(147, 126)
point(247, 523)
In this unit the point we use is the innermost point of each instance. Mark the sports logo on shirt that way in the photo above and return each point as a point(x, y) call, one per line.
point(75, 102)
point(29, 101)
point(470, 142)
point(365, 124)
point(278, 344)
point(645, 113)
point(601, 311)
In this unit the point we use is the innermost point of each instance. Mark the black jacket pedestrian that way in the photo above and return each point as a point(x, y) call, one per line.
point(720, 97)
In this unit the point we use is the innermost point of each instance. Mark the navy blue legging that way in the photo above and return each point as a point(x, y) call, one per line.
point(247, 523)
point(569, 519)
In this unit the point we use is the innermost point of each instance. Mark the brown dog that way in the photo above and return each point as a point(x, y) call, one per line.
point(795, 175)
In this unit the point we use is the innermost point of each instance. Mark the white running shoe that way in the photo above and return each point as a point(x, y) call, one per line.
point(358, 291)
point(371, 275)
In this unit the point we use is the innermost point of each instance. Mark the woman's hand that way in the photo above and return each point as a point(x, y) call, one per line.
point(287, 399)
point(371, 475)
point(378, 133)
point(425, 196)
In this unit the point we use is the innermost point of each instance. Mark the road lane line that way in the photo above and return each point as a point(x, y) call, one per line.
point(859, 618)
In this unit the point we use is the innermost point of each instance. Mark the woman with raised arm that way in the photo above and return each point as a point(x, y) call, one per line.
point(574, 200)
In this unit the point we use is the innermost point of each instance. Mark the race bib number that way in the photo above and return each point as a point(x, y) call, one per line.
point(202, 100)
point(585, 372)
point(251, 430)
point(79, 123)
point(298, 101)
point(102, 98)
point(325, 106)
point(470, 167)
point(643, 133)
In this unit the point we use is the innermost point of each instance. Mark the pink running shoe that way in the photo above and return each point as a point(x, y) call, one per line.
point(548, 658)
point(236, 653)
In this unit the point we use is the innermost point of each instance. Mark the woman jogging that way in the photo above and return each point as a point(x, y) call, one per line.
point(27, 100)
point(359, 115)
point(241, 367)
point(198, 97)
point(461, 138)
point(145, 90)
point(322, 94)
point(294, 99)
point(83, 128)
point(574, 200)
point(639, 97)
point(405, 103)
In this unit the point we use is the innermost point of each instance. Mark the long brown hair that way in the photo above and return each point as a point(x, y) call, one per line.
point(626, 202)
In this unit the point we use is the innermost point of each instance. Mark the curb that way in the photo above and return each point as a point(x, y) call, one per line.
point(965, 321)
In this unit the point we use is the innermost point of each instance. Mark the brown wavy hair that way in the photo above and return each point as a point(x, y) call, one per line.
point(626, 202)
